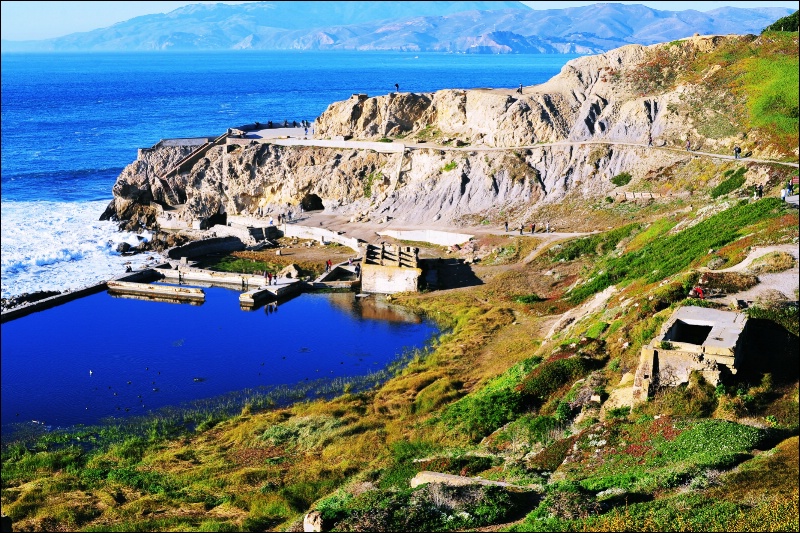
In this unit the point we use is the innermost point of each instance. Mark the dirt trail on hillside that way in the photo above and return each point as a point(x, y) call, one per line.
point(785, 282)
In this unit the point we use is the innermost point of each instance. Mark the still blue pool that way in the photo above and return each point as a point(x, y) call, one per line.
point(102, 356)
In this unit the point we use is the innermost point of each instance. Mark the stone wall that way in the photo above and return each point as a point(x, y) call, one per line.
point(389, 279)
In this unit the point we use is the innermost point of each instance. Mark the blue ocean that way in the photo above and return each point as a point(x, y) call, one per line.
point(72, 122)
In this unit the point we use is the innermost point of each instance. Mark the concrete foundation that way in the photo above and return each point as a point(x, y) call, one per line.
point(698, 339)
point(390, 269)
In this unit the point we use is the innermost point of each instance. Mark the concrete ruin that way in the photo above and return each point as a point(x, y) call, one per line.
point(699, 339)
point(390, 269)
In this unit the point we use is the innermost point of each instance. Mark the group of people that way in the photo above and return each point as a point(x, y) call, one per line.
point(272, 279)
point(304, 123)
point(545, 228)
point(288, 217)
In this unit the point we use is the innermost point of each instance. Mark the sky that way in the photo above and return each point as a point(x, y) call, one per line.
point(25, 20)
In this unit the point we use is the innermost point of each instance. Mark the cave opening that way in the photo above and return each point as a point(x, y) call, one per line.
point(312, 202)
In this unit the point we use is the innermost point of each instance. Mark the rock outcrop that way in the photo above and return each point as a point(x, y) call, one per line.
point(568, 136)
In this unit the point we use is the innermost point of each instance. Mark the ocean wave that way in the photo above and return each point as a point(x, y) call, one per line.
point(62, 245)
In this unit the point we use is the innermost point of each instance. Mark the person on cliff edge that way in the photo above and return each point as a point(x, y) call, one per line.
point(397, 87)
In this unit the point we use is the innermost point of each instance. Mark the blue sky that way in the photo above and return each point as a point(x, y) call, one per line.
point(23, 20)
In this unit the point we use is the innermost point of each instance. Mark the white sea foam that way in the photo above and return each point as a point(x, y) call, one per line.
point(61, 245)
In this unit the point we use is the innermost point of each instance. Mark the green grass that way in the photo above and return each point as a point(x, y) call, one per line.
point(654, 454)
point(671, 254)
point(600, 243)
point(734, 180)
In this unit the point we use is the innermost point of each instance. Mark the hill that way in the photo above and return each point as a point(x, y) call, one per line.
point(531, 383)
point(462, 27)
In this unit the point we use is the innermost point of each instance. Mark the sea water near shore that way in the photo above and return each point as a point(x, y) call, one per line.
point(71, 122)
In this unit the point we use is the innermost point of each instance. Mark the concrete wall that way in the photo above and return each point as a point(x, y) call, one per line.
point(389, 279)
point(442, 238)
point(384, 148)
point(206, 246)
point(308, 232)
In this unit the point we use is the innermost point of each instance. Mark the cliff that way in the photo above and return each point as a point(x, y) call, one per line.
point(470, 155)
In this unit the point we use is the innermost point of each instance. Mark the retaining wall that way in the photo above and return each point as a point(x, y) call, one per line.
point(307, 232)
point(442, 238)
point(206, 246)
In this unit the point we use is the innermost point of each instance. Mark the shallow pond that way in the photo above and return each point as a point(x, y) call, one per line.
point(102, 356)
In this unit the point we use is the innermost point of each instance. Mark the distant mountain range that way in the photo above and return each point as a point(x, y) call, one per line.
point(459, 27)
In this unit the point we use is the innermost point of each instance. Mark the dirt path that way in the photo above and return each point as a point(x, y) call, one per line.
point(785, 282)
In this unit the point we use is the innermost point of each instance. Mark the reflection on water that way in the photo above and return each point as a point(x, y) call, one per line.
point(373, 307)
point(102, 356)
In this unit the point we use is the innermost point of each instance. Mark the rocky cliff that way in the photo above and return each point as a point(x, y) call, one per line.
point(469, 155)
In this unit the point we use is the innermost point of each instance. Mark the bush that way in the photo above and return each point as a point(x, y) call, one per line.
point(481, 414)
point(550, 376)
point(735, 181)
point(623, 178)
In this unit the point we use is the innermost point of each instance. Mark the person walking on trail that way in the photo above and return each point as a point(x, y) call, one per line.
point(520, 89)
point(737, 152)
point(397, 87)
point(760, 190)
point(506, 226)
point(688, 146)
point(533, 228)
point(269, 278)
point(520, 229)
point(547, 228)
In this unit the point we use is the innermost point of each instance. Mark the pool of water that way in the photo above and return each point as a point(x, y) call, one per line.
point(102, 356)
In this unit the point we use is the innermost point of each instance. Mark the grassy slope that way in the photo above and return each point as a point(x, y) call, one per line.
point(470, 406)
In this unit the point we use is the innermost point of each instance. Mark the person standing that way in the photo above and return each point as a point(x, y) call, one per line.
point(269, 278)
point(736, 151)
point(520, 229)
point(506, 226)
point(688, 146)
point(760, 190)
point(520, 89)
point(397, 87)
point(547, 227)
point(533, 228)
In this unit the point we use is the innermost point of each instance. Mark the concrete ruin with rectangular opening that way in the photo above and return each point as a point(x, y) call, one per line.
point(700, 339)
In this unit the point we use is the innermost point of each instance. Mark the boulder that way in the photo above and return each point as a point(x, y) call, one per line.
point(289, 271)
point(312, 521)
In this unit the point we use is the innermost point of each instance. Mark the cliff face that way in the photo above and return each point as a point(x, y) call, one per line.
point(593, 110)
point(594, 98)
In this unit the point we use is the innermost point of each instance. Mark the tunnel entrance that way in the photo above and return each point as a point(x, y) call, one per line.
point(220, 219)
point(312, 202)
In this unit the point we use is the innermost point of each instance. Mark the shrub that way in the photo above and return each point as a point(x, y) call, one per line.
point(449, 166)
point(481, 414)
point(550, 376)
point(528, 299)
point(623, 178)
point(735, 181)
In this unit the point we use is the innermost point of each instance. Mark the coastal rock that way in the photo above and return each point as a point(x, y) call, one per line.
point(565, 138)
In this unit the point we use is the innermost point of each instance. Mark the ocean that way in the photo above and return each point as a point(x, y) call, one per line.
point(72, 122)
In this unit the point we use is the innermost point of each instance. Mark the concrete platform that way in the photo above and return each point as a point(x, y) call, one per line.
point(255, 297)
point(168, 292)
